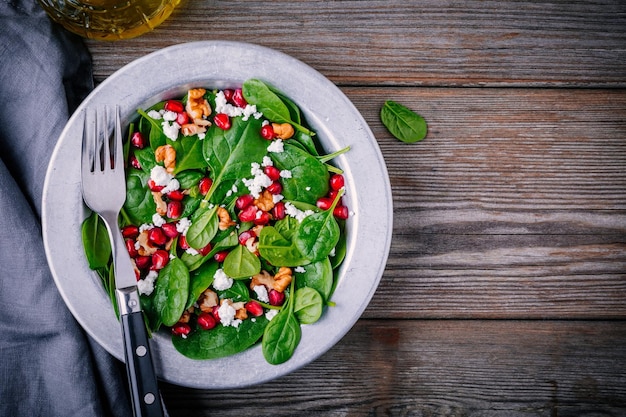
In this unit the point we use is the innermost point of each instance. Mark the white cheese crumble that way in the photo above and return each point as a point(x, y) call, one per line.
point(277, 146)
point(221, 281)
point(233, 190)
point(296, 213)
point(160, 176)
point(261, 293)
point(222, 106)
point(258, 181)
point(146, 286)
point(267, 161)
point(173, 185)
point(285, 173)
point(145, 226)
point(299, 270)
point(171, 130)
point(183, 225)
point(170, 116)
point(227, 315)
point(192, 251)
point(270, 314)
point(157, 220)
point(277, 197)
point(155, 115)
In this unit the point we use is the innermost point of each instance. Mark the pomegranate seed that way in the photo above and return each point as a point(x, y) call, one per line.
point(220, 256)
point(254, 308)
point(142, 261)
point(176, 195)
point(244, 236)
point(267, 132)
point(130, 247)
point(275, 188)
point(181, 329)
point(324, 203)
point(130, 232)
point(341, 212)
point(216, 313)
point(279, 211)
point(262, 219)
point(222, 121)
point(156, 236)
point(228, 94)
point(160, 258)
point(244, 201)
point(205, 185)
point(170, 230)
point(248, 214)
point(336, 182)
point(134, 162)
point(137, 140)
point(174, 105)
point(182, 242)
point(153, 187)
point(205, 250)
point(182, 118)
point(238, 99)
point(174, 209)
point(206, 321)
point(272, 172)
point(276, 298)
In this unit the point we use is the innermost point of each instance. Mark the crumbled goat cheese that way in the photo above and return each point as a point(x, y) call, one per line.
point(170, 116)
point(160, 176)
point(258, 181)
point(261, 293)
point(192, 251)
point(146, 286)
point(227, 313)
point(172, 185)
point(285, 173)
point(221, 281)
point(145, 226)
point(222, 106)
point(277, 197)
point(271, 313)
point(232, 190)
point(267, 161)
point(277, 146)
point(183, 225)
point(157, 220)
point(155, 115)
point(171, 130)
point(299, 270)
point(296, 213)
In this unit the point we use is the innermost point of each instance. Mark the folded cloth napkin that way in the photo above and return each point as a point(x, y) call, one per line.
point(48, 365)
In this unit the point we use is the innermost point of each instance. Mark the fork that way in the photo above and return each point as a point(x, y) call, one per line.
point(104, 192)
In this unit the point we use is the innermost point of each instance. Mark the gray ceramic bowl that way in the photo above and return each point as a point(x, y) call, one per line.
point(169, 73)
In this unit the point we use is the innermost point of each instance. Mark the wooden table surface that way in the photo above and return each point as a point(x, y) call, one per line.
point(505, 289)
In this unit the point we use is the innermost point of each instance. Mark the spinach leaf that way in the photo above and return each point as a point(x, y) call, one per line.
point(96, 241)
point(221, 341)
point(146, 159)
point(188, 153)
point(269, 103)
point(241, 263)
point(282, 334)
point(308, 305)
point(278, 250)
point(317, 275)
point(204, 227)
point(139, 205)
point(230, 153)
point(199, 280)
point(318, 234)
point(171, 292)
point(225, 240)
point(189, 178)
point(156, 136)
point(402, 122)
point(238, 292)
point(309, 176)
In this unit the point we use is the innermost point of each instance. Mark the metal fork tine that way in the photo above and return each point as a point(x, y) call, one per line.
point(118, 147)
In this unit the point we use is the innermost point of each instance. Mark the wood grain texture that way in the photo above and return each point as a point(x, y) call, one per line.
point(434, 43)
point(442, 368)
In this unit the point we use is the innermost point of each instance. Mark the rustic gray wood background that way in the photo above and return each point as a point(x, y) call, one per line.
point(505, 289)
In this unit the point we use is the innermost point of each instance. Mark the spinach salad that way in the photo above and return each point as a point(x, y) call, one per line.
point(234, 221)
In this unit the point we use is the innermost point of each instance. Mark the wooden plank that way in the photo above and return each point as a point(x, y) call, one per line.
point(451, 368)
point(430, 43)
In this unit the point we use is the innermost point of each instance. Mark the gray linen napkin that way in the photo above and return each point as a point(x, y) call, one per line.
point(48, 365)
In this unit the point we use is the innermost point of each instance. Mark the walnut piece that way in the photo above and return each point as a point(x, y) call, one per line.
point(282, 279)
point(167, 155)
point(283, 130)
point(225, 220)
point(265, 201)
